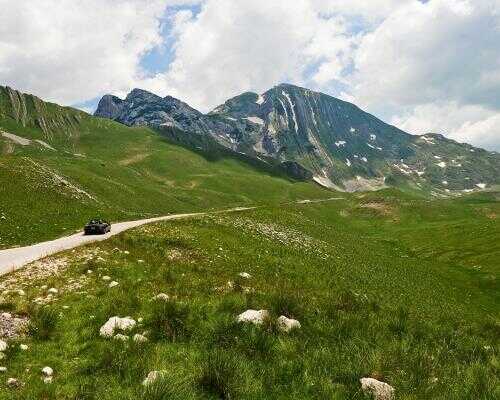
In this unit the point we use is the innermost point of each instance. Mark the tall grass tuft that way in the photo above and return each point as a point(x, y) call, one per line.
point(43, 323)
point(168, 320)
point(223, 375)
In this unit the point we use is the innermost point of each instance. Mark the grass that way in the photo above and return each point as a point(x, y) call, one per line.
point(105, 169)
point(376, 295)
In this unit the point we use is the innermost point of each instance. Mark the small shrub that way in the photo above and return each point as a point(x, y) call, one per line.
point(43, 323)
point(168, 320)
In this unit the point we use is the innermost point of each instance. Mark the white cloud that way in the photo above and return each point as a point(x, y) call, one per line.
point(435, 67)
point(232, 47)
point(471, 124)
point(70, 51)
point(438, 51)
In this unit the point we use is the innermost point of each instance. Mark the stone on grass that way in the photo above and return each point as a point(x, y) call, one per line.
point(152, 377)
point(123, 324)
point(13, 383)
point(378, 390)
point(106, 278)
point(245, 275)
point(253, 316)
point(162, 296)
point(53, 290)
point(287, 324)
point(113, 284)
point(3, 345)
point(47, 379)
point(3, 369)
point(47, 371)
point(23, 347)
point(138, 338)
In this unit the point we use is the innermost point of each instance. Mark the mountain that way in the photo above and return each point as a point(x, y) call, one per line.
point(60, 166)
point(336, 143)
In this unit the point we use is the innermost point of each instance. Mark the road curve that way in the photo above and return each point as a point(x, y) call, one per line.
point(12, 259)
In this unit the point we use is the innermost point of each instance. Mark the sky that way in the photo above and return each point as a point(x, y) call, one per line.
point(424, 66)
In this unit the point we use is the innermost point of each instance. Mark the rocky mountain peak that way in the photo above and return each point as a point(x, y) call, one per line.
point(334, 141)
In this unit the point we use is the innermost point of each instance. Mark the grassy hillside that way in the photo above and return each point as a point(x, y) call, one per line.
point(402, 290)
point(96, 167)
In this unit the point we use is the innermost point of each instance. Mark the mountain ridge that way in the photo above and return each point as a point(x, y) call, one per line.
point(342, 146)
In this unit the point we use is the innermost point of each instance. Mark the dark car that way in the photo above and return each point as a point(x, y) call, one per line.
point(97, 227)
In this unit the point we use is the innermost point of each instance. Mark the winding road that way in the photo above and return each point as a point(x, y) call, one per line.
point(13, 259)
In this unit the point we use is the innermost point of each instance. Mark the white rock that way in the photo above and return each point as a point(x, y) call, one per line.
point(121, 337)
point(138, 338)
point(3, 345)
point(6, 315)
point(113, 284)
point(245, 275)
point(13, 382)
point(253, 316)
point(53, 290)
point(3, 369)
point(23, 347)
point(106, 278)
point(162, 296)
point(152, 376)
point(127, 252)
point(287, 324)
point(140, 261)
point(379, 390)
point(124, 324)
point(47, 371)
point(47, 379)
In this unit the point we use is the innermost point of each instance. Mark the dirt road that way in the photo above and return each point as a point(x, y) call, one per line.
point(12, 259)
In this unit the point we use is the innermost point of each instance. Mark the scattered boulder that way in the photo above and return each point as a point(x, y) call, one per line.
point(123, 324)
point(113, 284)
point(287, 324)
point(138, 338)
point(253, 316)
point(47, 371)
point(13, 383)
point(3, 369)
point(152, 377)
point(245, 275)
point(162, 296)
point(23, 347)
point(53, 291)
point(377, 389)
point(3, 345)
point(106, 278)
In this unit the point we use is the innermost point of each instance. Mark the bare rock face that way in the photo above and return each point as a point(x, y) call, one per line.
point(109, 107)
point(378, 390)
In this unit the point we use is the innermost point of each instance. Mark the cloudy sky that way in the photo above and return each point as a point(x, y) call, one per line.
point(425, 66)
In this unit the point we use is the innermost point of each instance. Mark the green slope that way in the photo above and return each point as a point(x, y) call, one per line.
point(99, 167)
point(382, 287)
